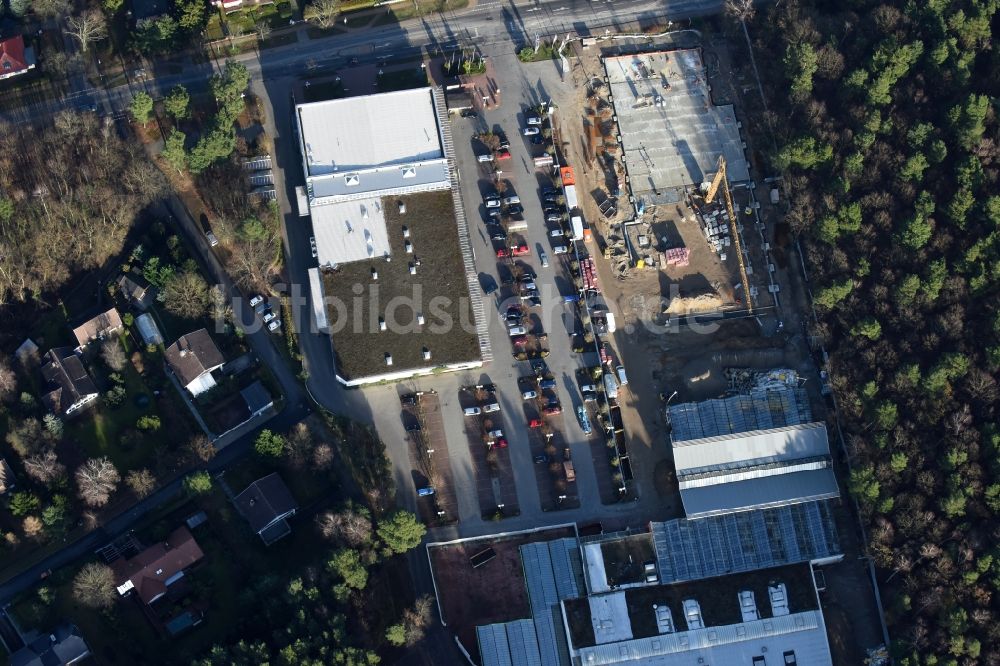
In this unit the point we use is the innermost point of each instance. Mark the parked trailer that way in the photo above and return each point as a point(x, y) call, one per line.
point(302, 201)
point(577, 223)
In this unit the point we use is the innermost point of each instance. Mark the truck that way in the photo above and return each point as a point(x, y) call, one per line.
point(581, 415)
point(610, 386)
point(301, 200)
point(577, 223)
point(517, 223)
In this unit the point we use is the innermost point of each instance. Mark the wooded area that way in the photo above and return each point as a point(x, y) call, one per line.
point(71, 192)
point(886, 134)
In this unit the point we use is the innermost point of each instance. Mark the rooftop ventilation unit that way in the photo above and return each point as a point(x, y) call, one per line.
point(409, 172)
point(388, 358)
point(352, 179)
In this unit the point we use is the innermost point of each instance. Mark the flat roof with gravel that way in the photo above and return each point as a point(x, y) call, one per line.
point(671, 131)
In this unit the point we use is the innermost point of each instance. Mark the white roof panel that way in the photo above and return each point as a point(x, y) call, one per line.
point(350, 231)
point(609, 617)
point(760, 493)
point(776, 445)
point(356, 133)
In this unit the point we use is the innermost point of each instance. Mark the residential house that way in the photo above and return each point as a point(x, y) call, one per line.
point(101, 327)
point(69, 386)
point(267, 504)
point(192, 359)
point(257, 398)
point(148, 329)
point(136, 290)
point(63, 645)
point(15, 57)
point(150, 573)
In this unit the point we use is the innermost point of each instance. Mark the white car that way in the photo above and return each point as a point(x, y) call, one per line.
point(534, 120)
point(274, 325)
point(495, 433)
point(472, 411)
point(560, 249)
point(544, 258)
point(492, 202)
point(557, 233)
point(531, 130)
point(517, 330)
point(511, 200)
point(312, 246)
point(529, 395)
point(484, 158)
point(492, 407)
point(256, 300)
point(269, 316)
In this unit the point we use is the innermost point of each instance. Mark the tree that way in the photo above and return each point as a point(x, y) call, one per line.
point(198, 483)
point(148, 423)
point(141, 107)
point(19, 7)
point(186, 295)
point(401, 532)
point(141, 482)
point(269, 444)
point(177, 103)
point(801, 64)
point(33, 527)
point(113, 354)
point(53, 425)
point(56, 513)
point(217, 145)
point(829, 296)
point(352, 525)
point(50, 8)
point(323, 12)
point(94, 586)
point(23, 503)
point(112, 6)
point(96, 479)
point(263, 28)
point(192, 14)
point(740, 10)
point(347, 564)
point(8, 381)
point(27, 436)
point(156, 34)
point(44, 467)
point(87, 28)
point(202, 448)
point(396, 634)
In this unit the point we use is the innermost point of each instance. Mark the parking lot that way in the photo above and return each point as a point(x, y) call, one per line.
point(431, 473)
point(486, 434)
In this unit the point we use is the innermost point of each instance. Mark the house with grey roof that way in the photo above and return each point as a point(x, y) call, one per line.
point(267, 504)
point(69, 386)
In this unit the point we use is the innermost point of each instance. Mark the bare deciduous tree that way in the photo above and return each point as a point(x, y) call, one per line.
point(141, 481)
point(44, 467)
point(8, 381)
point(94, 585)
point(87, 28)
point(322, 456)
point(417, 619)
point(186, 295)
point(96, 479)
point(354, 527)
point(33, 527)
point(113, 354)
point(201, 448)
point(741, 10)
point(323, 12)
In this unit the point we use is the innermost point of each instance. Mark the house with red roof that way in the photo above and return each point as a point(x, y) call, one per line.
point(155, 569)
point(15, 57)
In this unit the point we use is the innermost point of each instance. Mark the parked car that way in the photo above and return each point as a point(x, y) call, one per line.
point(553, 217)
point(408, 399)
point(549, 190)
point(514, 310)
point(531, 130)
point(534, 120)
point(515, 209)
point(473, 411)
point(495, 433)
point(485, 157)
point(552, 410)
point(547, 383)
point(529, 286)
point(503, 154)
point(491, 407)
point(312, 246)
point(541, 459)
point(256, 300)
point(560, 249)
point(520, 251)
point(489, 285)
point(514, 331)
point(513, 317)
point(622, 377)
point(528, 294)
point(500, 443)
point(469, 113)
point(557, 233)
point(512, 199)
point(588, 388)
point(535, 423)
point(426, 491)
point(551, 199)
point(519, 341)
point(269, 316)
point(535, 301)
point(544, 258)
point(498, 235)
point(413, 427)
point(529, 395)
point(503, 253)
point(552, 209)
point(274, 325)
point(502, 138)
point(492, 202)
point(589, 397)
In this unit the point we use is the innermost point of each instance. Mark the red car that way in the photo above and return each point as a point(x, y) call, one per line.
point(502, 254)
point(553, 410)
point(503, 154)
point(501, 443)
point(535, 423)
point(520, 250)
point(519, 341)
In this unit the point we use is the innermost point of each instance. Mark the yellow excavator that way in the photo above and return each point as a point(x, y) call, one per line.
point(713, 190)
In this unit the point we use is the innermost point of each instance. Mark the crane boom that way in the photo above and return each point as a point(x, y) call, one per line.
point(713, 189)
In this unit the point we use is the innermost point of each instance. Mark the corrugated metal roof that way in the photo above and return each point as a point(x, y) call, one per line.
point(395, 180)
point(731, 543)
point(733, 450)
point(369, 131)
point(493, 647)
point(760, 409)
point(758, 493)
point(523, 643)
point(737, 644)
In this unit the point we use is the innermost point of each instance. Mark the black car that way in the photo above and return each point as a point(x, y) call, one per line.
point(515, 209)
point(469, 113)
point(413, 427)
point(489, 388)
point(488, 284)
point(498, 235)
point(408, 399)
point(541, 459)
point(553, 210)
point(549, 190)
point(550, 198)
point(535, 301)
point(504, 143)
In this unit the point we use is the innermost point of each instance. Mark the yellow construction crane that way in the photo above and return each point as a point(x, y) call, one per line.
point(713, 190)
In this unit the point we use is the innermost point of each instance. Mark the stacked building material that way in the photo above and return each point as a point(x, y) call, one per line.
point(677, 256)
point(589, 275)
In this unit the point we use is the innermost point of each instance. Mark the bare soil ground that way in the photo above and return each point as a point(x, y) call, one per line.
point(431, 469)
point(495, 592)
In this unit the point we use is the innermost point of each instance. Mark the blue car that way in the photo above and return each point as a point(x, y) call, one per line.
point(425, 492)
